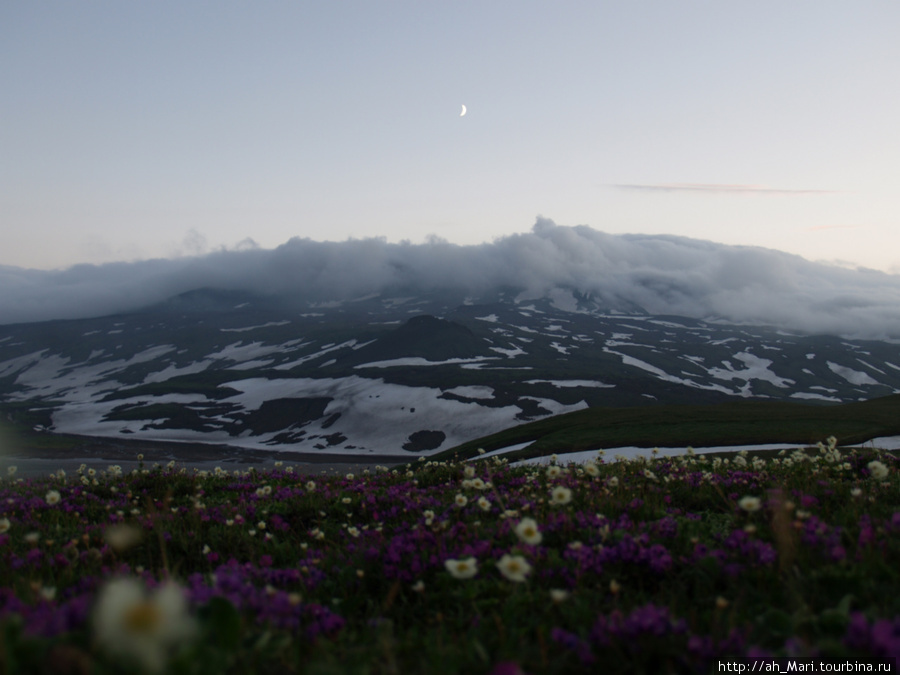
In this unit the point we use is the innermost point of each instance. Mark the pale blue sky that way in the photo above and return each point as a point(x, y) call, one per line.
point(132, 130)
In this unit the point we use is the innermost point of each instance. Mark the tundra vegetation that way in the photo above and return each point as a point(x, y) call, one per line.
point(655, 565)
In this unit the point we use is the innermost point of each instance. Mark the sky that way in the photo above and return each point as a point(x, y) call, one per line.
point(134, 131)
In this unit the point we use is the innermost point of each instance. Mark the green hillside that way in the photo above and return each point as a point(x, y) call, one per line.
point(733, 423)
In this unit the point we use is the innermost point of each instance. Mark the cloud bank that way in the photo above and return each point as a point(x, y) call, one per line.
point(661, 274)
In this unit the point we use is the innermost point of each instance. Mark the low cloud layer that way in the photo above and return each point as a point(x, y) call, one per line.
point(661, 274)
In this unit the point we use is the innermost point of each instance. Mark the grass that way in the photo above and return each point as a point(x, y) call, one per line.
point(663, 565)
point(737, 423)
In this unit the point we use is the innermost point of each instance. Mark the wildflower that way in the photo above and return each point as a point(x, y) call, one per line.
point(122, 537)
point(514, 567)
point(138, 627)
point(855, 492)
point(310, 485)
point(33, 537)
point(461, 500)
point(554, 471)
point(590, 468)
point(527, 531)
point(614, 587)
point(52, 497)
point(613, 482)
point(469, 472)
point(4, 525)
point(877, 470)
point(561, 496)
point(11, 471)
point(419, 586)
point(749, 504)
point(507, 668)
point(484, 504)
point(479, 484)
point(721, 603)
point(558, 595)
point(462, 569)
point(353, 532)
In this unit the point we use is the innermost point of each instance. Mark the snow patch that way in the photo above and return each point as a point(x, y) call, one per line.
point(852, 376)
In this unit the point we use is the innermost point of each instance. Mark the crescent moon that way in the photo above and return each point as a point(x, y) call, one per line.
point(463, 112)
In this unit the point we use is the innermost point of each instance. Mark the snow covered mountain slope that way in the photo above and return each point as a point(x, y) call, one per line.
point(401, 374)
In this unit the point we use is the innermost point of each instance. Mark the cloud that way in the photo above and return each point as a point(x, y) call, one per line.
point(716, 188)
point(661, 274)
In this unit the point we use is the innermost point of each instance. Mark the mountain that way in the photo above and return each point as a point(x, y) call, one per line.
point(401, 372)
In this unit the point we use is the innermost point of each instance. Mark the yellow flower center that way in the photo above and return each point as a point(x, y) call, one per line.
point(143, 618)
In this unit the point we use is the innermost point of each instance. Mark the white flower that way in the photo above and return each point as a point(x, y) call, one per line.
point(558, 595)
point(469, 472)
point(514, 567)
point(136, 626)
point(484, 504)
point(52, 497)
point(591, 469)
point(310, 486)
point(613, 481)
point(462, 569)
point(461, 500)
point(877, 470)
point(561, 495)
point(528, 532)
point(749, 504)
point(11, 470)
point(4, 525)
point(122, 537)
point(554, 471)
